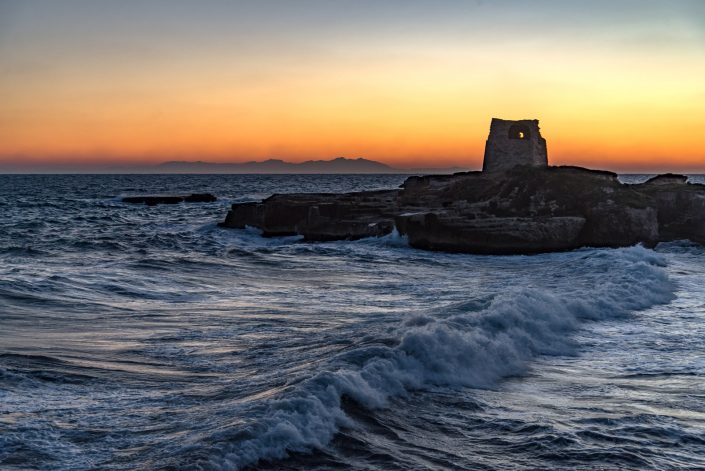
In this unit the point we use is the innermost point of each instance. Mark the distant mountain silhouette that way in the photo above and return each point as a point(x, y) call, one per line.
point(337, 165)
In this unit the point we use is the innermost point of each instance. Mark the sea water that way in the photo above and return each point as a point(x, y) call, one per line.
point(135, 337)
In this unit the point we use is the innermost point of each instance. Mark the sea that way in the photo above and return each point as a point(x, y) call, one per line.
point(149, 338)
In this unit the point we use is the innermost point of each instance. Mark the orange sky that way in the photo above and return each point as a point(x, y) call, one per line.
point(625, 93)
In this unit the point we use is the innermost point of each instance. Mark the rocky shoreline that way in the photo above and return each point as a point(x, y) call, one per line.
point(523, 210)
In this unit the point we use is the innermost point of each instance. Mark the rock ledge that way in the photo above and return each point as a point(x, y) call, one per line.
point(523, 210)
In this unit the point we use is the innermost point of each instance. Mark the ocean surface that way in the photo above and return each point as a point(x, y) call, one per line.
point(135, 337)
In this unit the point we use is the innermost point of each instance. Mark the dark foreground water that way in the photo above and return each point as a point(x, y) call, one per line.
point(136, 337)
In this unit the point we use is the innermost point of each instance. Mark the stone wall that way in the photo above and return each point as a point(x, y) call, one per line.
point(513, 143)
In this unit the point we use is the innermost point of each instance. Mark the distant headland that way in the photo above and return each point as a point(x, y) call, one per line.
point(277, 166)
point(339, 165)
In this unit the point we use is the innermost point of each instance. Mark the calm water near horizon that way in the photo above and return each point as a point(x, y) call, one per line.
point(135, 337)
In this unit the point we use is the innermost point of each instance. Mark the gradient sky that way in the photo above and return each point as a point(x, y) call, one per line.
point(616, 84)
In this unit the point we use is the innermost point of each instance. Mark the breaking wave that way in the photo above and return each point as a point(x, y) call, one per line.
point(136, 337)
point(470, 345)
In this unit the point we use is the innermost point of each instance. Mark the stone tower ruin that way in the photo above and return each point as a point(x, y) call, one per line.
point(513, 143)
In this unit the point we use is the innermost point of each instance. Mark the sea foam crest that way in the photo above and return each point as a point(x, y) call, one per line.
point(473, 348)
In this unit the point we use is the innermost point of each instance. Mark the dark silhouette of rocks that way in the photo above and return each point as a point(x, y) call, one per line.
point(518, 208)
point(200, 198)
point(667, 179)
point(153, 200)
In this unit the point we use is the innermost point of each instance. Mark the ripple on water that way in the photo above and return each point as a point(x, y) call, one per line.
point(147, 338)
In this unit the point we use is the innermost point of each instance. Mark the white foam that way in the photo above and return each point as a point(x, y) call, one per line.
point(472, 348)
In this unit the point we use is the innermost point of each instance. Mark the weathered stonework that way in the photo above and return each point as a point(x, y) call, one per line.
point(513, 143)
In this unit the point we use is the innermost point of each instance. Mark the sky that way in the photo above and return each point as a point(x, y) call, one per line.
point(616, 84)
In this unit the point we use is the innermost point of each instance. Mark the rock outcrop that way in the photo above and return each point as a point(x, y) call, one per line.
point(153, 200)
point(521, 210)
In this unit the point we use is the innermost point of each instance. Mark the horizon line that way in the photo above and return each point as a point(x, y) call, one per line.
point(156, 168)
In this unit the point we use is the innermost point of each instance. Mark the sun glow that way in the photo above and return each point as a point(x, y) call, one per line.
point(404, 99)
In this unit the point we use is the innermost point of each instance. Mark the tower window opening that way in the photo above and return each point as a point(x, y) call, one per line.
point(519, 131)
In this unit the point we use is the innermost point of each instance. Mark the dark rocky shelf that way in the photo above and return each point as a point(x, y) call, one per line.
point(153, 200)
point(523, 210)
point(517, 205)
